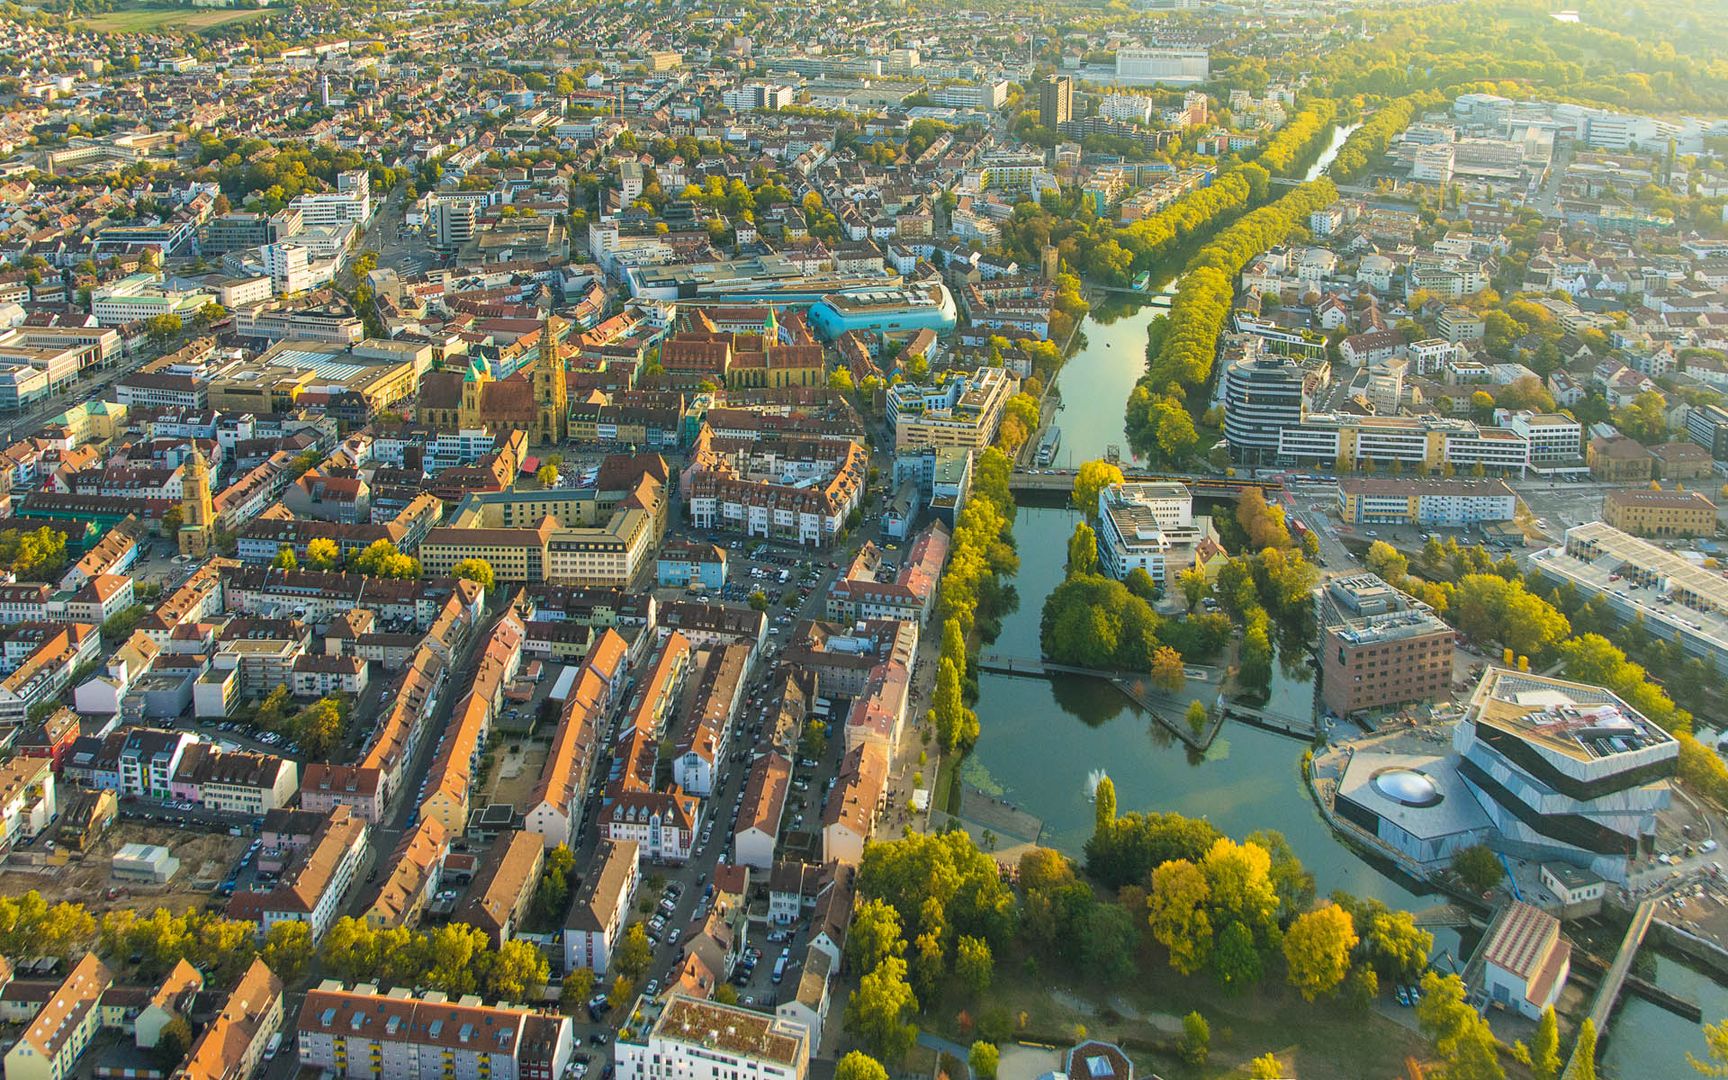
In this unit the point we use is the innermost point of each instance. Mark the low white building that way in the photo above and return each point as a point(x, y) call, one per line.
point(1525, 961)
point(692, 1039)
point(1150, 527)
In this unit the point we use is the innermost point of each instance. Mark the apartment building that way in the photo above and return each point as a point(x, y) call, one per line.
point(867, 590)
point(232, 1046)
point(602, 906)
point(1383, 500)
point(316, 880)
point(362, 1033)
point(499, 897)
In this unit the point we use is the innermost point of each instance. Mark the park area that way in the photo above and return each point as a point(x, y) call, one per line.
point(143, 19)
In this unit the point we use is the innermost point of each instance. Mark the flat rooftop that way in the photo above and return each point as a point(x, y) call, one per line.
point(1584, 722)
point(1641, 578)
point(728, 1029)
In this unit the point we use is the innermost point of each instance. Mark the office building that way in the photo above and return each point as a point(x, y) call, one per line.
point(1162, 64)
point(1149, 527)
point(688, 1038)
point(1380, 648)
point(1055, 101)
point(1676, 600)
point(1564, 770)
point(1388, 500)
point(1707, 425)
point(1262, 396)
point(1659, 513)
point(143, 296)
point(1411, 443)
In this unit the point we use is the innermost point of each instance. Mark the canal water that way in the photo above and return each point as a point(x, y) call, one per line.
point(1042, 740)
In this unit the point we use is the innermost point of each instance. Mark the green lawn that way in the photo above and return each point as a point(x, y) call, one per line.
point(136, 20)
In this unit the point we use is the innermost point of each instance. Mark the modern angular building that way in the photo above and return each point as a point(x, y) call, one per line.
point(1564, 770)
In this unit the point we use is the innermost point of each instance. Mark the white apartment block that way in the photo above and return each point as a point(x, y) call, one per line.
point(692, 1039)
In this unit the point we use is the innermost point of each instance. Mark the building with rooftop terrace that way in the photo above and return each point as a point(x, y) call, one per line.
point(692, 1039)
point(963, 411)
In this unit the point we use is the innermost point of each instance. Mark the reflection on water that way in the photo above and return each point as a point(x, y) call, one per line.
point(1040, 758)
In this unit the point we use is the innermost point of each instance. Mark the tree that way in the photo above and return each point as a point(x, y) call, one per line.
point(162, 328)
point(1196, 1039)
point(635, 954)
point(547, 475)
point(1107, 939)
point(1091, 478)
point(1583, 1065)
point(288, 951)
point(840, 379)
point(518, 971)
point(1542, 1056)
point(874, 936)
point(1196, 717)
point(1235, 958)
point(381, 559)
point(758, 600)
point(858, 1065)
point(478, 571)
point(318, 727)
point(878, 1011)
point(1388, 562)
point(1178, 915)
point(1168, 673)
point(172, 1043)
point(1317, 950)
point(983, 1059)
point(973, 963)
point(1460, 1035)
point(323, 553)
point(1266, 1067)
point(577, 986)
point(285, 559)
point(1082, 550)
point(1477, 868)
point(1103, 814)
point(1193, 584)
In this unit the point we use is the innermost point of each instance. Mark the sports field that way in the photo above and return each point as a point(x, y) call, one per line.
point(141, 19)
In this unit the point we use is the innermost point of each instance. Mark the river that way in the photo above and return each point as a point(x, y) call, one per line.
point(1042, 739)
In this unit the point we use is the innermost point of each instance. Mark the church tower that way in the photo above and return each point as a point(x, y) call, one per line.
point(474, 382)
point(551, 392)
point(197, 508)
